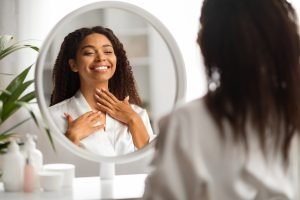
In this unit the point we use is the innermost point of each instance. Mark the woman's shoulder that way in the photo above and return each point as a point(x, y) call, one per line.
point(138, 109)
point(186, 117)
point(190, 123)
point(61, 105)
point(193, 108)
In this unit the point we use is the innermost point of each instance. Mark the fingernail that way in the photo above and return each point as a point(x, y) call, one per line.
point(98, 90)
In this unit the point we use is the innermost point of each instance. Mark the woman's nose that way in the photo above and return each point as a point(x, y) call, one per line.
point(100, 57)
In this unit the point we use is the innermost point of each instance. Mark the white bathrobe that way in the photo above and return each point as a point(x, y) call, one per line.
point(115, 140)
point(194, 163)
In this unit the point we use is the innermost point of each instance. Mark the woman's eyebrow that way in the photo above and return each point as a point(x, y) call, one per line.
point(106, 45)
point(88, 46)
point(93, 47)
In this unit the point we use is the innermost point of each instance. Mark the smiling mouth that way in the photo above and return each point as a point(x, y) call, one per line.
point(102, 68)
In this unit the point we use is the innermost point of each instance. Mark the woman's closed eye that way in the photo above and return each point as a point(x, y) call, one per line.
point(88, 53)
point(108, 52)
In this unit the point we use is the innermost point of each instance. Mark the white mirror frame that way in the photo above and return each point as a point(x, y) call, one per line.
point(175, 54)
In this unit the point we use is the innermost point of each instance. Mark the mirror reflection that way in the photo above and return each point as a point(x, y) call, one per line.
point(107, 97)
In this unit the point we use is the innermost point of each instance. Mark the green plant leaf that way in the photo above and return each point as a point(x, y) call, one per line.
point(19, 90)
point(4, 41)
point(10, 105)
point(33, 116)
point(6, 48)
point(1, 108)
point(5, 91)
point(9, 110)
point(5, 137)
point(11, 98)
point(14, 84)
point(15, 126)
point(50, 138)
point(27, 97)
point(18, 79)
point(15, 47)
point(4, 140)
point(3, 149)
point(25, 105)
point(32, 47)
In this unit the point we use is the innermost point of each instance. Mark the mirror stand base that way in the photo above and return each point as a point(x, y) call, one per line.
point(107, 171)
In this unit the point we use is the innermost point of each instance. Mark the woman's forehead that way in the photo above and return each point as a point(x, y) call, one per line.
point(96, 40)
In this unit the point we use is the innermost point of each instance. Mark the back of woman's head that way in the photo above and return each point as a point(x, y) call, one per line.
point(66, 82)
point(251, 53)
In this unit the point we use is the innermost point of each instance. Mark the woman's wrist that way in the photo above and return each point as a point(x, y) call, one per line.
point(133, 119)
point(72, 137)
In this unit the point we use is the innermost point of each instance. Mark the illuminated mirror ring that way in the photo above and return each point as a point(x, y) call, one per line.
point(180, 76)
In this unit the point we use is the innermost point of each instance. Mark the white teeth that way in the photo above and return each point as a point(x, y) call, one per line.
point(101, 68)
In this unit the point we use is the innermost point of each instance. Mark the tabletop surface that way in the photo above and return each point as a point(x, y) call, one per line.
point(121, 187)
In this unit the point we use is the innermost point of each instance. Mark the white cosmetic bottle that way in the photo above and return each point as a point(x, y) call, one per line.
point(35, 156)
point(13, 168)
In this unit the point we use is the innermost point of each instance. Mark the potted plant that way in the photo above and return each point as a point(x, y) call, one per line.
point(16, 95)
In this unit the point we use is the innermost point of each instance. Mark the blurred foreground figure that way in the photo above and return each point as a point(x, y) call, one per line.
point(239, 141)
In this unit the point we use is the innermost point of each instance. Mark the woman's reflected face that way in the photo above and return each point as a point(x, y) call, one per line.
point(95, 60)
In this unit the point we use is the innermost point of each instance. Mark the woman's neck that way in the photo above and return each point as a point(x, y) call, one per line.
point(89, 93)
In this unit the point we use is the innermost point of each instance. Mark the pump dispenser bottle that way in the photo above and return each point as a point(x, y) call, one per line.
point(35, 160)
point(13, 168)
point(30, 151)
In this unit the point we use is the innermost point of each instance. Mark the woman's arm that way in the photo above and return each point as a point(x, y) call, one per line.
point(123, 112)
point(138, 131)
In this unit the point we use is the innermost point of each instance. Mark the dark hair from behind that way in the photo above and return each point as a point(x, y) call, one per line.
point(66, 82)
point(254, 46)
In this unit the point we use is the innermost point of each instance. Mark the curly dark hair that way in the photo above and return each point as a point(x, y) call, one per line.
point(254, 47)
point(66, 82)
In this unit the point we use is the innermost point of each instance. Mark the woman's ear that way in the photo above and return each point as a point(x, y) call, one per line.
point(73, 65)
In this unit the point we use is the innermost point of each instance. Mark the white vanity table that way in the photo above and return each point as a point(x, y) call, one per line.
point(92, 188)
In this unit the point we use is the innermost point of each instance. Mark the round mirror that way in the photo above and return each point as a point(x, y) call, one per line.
point(153, 54)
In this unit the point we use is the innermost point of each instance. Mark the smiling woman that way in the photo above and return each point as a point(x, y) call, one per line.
point(149, 56)
point(153, 55)
point(94, 100)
